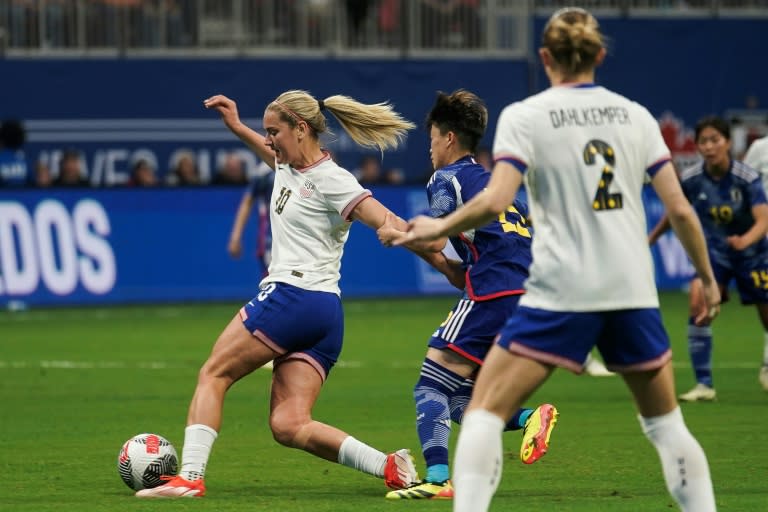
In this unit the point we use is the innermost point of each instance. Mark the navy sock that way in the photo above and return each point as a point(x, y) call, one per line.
point(460, 399)
point(433, 416)
point(700, 349)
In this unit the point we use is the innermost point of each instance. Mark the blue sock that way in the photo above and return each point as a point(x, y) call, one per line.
point(700, 349)
point(460, 399)
point(433, 416)
point(518, 419)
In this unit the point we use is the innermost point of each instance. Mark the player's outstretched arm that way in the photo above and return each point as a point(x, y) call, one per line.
point(227, 108)
point(688, 229)
point(388, 226)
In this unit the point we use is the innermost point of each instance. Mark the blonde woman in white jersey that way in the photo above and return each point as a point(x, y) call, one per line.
point(297, 319)
point(584, 152)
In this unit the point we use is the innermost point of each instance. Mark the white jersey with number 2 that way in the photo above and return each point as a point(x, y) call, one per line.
point(585, 152)
point(309, 213)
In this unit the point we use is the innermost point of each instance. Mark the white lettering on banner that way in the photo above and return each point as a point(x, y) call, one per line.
point(18, 266)
point(673, 258)
point(98, 270)
point(56, 248)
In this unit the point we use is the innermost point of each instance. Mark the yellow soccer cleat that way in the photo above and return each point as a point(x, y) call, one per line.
point(424, 491)
point(536, 433)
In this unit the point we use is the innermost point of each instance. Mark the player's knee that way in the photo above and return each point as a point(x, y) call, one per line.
point(288, 430)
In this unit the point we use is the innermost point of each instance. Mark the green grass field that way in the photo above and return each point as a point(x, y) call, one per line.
point(76, 383)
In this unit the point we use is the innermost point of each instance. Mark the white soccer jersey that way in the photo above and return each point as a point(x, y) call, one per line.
point(586, 150)
point(757, 158)
point(309, 212)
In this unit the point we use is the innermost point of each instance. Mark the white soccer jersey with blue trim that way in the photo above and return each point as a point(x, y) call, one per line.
point(309, 212)
point(585, 152)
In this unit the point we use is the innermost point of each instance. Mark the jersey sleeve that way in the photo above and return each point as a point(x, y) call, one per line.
point(512, 142)
point(441, 194)
point(342, 191)
point(756, 191)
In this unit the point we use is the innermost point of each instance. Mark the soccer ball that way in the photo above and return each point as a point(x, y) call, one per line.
point(144, 459)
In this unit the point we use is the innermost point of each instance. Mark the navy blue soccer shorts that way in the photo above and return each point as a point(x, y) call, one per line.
point(297, 323)
point(472, 326)
point(628, 340)
point(751, 279)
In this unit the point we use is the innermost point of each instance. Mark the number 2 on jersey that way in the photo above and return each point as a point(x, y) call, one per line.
point(604, 199)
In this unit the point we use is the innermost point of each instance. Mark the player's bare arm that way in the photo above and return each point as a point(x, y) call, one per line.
point(227, 108)
point(756, 233)
point(687, 227)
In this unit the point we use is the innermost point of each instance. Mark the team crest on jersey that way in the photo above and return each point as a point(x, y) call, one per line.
point(307, 189)
point(735, 195)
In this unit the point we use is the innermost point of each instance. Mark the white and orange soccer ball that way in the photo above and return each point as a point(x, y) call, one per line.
point(145, 460)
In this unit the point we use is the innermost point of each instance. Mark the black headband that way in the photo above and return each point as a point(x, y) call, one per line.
point(321, 104)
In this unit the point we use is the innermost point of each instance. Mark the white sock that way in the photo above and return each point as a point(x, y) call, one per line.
point(684, 463)
point(198, 441)
point(362, 457)
point(765, 349)
point(477, 465)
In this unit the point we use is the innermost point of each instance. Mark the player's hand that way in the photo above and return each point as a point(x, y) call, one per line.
point(711, 307)
point(235, 248)
point(226, 107)
point(420, 228)
point(736, 242)
point(387, 233)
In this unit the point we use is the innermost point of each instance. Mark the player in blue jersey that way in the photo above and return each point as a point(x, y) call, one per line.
point(495, 260)
point(730, 200)
point(585, 153)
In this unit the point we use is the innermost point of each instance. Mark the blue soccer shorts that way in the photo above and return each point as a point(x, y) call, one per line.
point(628, 340)
point(297, 323)
point(472, 326)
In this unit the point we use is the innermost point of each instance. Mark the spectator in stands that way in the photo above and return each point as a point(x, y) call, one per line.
point(142, 175)
point(13, 164)
point(450, 23)
point(368, 171)
point(184, 172)
point(43, 177)
point(394, 176)
point(357, 14)
point(71, 170)
point(231, 172)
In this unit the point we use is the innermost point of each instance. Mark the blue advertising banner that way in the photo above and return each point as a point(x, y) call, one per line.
point(127, 246)
point(124, 246)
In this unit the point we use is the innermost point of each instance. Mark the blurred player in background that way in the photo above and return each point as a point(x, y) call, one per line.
point(296, 319)
point(730, 201)
point(495, 259)
point(257, 194)
point(585, 152)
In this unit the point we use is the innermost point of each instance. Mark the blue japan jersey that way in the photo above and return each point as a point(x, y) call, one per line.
point(497, 255)
point(724, 207)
